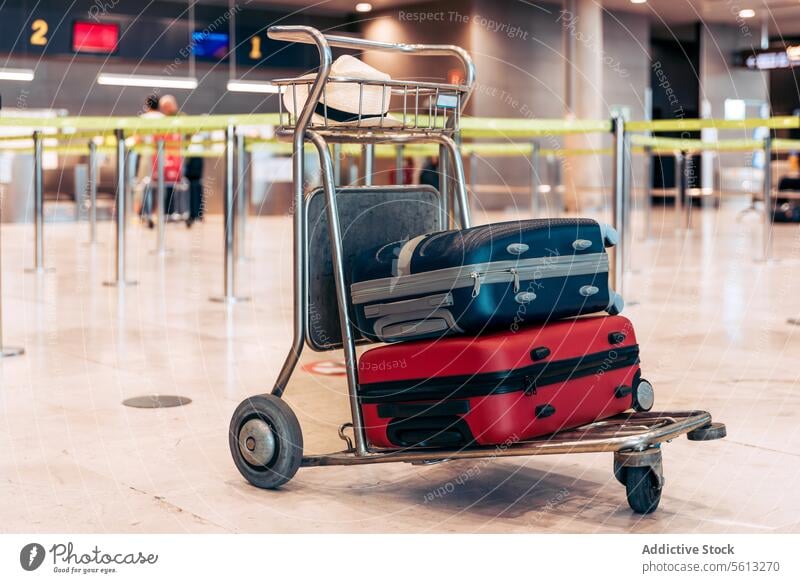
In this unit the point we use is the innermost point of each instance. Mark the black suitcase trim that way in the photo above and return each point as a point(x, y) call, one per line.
point(391, 410)
point(442, 431)
point(528, 379)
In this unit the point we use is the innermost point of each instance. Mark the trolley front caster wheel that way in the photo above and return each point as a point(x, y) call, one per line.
point(643, 396)
point(266, 441)
point(643, 489)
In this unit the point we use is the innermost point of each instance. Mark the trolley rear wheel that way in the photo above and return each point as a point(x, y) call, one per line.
point(643, 489)
point(266, 441)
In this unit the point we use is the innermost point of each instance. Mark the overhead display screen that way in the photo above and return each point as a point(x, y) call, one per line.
point(94, 37)
point(210, 45)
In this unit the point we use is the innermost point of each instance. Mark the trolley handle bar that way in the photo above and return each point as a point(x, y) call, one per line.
point(309, 35)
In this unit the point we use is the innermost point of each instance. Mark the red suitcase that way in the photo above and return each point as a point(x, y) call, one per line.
point(502, 387)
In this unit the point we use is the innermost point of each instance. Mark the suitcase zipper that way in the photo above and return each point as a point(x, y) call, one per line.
point(476, 285)
point(474, 276)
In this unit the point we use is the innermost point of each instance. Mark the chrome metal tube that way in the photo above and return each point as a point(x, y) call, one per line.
point(300, 272)
point(458, 178)
point(122, 206)
point(648, 193)
point(688, 166)
point(399, 161)
point(367, 163)
point(230, 178)
point(618, 203)
point(337, 253)
point(473, 173)
point(38, 202)
point(627, 205)
point(768, 203)
point(161, 197)
point(337, 164)
point(229, 220)
point(92, 192)
point(680, 176)
point(242, 199)
point(122, 218)
point(535, 180)
point(444, 186)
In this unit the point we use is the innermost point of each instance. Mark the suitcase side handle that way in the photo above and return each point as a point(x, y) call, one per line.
point(543, 411)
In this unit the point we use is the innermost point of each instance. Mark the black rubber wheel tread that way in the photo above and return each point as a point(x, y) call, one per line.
point(288, 439)
point(641, 486)
point(710, 432)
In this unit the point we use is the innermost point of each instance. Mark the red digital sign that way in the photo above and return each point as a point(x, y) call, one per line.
point(94, 37)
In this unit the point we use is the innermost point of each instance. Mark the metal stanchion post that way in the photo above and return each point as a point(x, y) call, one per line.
point(229, 216)
point(473, 173)
point(535, 180)
point(444, 186)
point(242, 199)
point(648, 193)
point(688, 164)
point(680, 175)
point(122, 218)
point(130, 178)
point(5, 351)
point(768, 206)
point(161, 198)
point(368, 163)
point(399, 161)
point(627, 201)
point(92, 192)
point(617, 203)
point(352, 170)
point(38, 206)
point(337, 164)
point(554, 177)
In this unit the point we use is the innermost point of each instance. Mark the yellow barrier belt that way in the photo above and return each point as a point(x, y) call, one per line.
point(131, 125)
point(470, 126)
point(780, 145)
point(679, 125)
point(689, 145)
point(481, 127)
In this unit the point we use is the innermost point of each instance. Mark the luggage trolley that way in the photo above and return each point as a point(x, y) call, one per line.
point(265, 438)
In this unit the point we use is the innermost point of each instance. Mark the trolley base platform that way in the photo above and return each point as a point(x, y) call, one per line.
point(629, 432)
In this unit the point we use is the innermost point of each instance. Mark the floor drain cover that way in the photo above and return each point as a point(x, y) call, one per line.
point(156, 401)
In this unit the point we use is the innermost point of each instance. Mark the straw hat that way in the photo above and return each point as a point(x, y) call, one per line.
point(342, 99)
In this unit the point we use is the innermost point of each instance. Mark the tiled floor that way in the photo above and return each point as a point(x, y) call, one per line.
point(711, 322)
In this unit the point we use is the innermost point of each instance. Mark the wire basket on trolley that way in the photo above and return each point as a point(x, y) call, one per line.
point(377, 105)
point(350, 96)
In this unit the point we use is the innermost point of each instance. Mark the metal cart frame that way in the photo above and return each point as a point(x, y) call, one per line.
point(265, 438)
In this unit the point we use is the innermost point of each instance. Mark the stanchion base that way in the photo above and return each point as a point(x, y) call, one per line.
point(40, 270)
point(127, 283)
point(161, 252)
point(8, 351)
point(230, 300)
point(793, 321)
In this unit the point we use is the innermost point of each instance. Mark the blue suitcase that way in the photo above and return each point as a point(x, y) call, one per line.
point(503, 275)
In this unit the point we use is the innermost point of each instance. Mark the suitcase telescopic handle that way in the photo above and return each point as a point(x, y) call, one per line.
point(324, 42)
